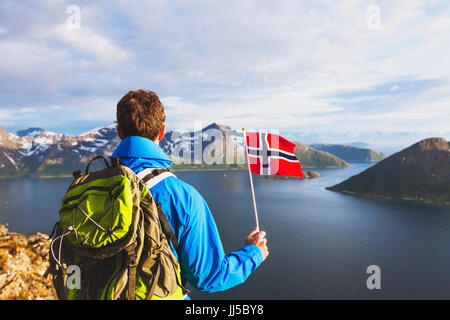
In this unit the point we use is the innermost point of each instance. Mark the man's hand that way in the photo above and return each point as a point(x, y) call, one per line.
point(258, 238)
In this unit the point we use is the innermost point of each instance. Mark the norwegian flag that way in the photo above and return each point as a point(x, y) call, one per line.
point(271, 154)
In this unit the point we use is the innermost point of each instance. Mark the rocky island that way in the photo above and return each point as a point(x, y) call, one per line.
point(420, 172)
point(306, 175)
point(312, 158)
point(350, 153)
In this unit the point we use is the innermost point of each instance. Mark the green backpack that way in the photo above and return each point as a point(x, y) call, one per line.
point(112, 239)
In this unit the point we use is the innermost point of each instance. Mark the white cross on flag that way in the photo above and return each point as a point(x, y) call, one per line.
point(271, 154)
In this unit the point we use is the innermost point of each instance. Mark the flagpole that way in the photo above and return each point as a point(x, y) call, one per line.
point(251, 181)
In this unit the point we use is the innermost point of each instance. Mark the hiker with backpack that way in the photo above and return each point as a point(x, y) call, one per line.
point(135, 230)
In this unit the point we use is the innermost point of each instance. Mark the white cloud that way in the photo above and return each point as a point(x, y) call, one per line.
point(88, 42)
point(394, 88)
point(242, 63)
point(29, 60)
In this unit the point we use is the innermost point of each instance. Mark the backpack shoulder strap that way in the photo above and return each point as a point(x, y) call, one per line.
point(152, 176)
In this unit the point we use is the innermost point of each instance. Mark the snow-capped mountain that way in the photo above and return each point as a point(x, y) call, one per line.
point(32, 132)
point(36, 151)
point(213, 144)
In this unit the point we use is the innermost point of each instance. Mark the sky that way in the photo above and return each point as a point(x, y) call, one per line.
point(347, 68)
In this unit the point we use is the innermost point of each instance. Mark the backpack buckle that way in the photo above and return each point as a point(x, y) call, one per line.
point(132, 261)
point(131, 257)
point(76, 174)
point(115, 162)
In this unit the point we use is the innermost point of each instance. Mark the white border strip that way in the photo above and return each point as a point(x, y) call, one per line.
point(152, 182)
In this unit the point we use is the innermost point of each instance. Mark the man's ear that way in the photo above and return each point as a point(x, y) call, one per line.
point(119, 132)
point(161, 133)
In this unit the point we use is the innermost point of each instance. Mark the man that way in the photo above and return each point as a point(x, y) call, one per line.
point(140, 118)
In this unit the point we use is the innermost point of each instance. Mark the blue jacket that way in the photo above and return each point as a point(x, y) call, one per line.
point(203, 260)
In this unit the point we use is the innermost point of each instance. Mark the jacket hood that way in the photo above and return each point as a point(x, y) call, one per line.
point(135, 151)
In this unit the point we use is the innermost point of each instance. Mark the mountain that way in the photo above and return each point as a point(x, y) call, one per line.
point(420, 172)
point(215, 145)
point(40, 152)
point(311, 158)
point(32, 132)
point(382, 141)
point(184, 146)
point(350, 153)
point(37, 152)
point(360, 144)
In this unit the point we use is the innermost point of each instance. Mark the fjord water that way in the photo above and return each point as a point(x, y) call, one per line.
point(320, 242)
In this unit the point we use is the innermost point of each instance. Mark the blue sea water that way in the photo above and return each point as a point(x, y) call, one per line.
point(320, 242)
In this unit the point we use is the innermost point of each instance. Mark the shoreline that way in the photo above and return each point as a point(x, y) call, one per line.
point(212, 169)
point(173, 170)
point(391, 198)
point(35, 177)
point(70, 176)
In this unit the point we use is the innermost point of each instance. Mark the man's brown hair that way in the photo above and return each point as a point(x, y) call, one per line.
point(140, 113)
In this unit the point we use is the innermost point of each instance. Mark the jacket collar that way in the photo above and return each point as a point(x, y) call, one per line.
point(141, 153)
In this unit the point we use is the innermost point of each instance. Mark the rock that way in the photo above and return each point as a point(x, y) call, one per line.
point(306, 175)
point(3, 230)
point(312, 174)
point(40, 244)
point(23, 265)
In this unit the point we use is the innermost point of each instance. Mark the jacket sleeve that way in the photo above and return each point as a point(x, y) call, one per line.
point(203, 260)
